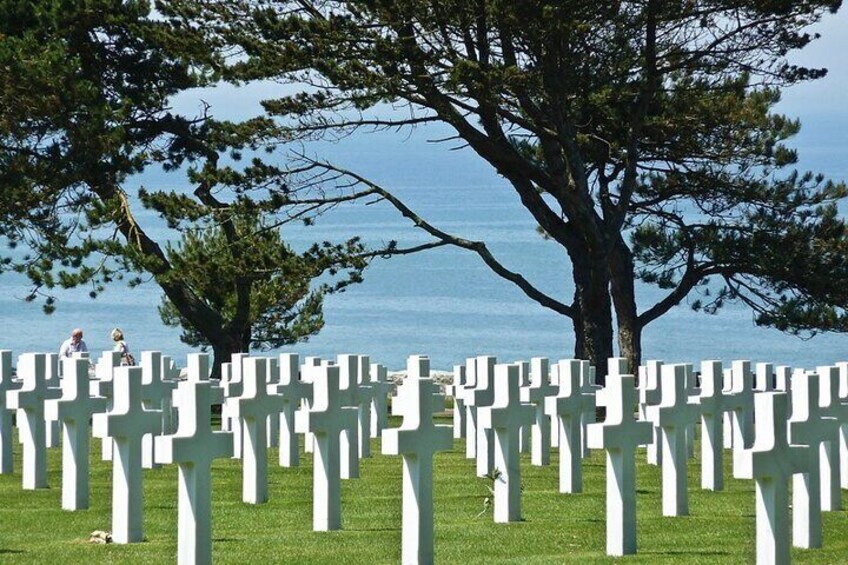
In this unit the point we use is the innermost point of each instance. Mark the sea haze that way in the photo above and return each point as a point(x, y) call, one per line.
point(444, 303)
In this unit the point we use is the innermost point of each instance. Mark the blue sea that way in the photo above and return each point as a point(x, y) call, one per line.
point(443, 303)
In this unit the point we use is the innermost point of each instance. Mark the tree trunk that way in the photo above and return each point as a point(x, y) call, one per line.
point(593, 323)
point(624, 298)
point(222, 351)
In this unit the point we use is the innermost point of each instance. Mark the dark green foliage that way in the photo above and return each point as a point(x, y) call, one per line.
point(283, 308)
point(85, 94)
point(639, 135)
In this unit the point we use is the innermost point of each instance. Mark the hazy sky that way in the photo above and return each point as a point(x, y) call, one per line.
point(826, 97)
point(823, 101)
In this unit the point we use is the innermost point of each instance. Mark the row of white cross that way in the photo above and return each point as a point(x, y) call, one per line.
point(499, 409)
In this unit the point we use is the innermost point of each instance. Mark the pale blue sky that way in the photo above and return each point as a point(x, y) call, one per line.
point(822, 101)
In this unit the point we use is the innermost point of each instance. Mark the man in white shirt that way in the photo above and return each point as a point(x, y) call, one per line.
point(73, 345)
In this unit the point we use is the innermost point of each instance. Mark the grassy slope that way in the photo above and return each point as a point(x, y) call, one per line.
point(558, 528)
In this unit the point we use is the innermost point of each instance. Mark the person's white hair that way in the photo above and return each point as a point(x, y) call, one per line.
point(117, 334)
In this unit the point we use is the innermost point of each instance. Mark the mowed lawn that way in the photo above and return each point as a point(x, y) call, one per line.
point(557, 528)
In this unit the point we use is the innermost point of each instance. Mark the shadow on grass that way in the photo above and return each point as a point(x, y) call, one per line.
point(686, 552)
point(13, 551)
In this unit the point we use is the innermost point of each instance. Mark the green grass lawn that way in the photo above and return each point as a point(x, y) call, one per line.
point(557, 528)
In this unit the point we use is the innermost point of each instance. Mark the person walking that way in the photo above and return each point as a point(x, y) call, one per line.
point(74, 344)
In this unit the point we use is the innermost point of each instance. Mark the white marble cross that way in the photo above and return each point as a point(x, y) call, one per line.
point(454, 390)
point(157, 396)
point(366, 399)
point(524, 382)
point(554, 422)
point(589, 386)
point(53, 374)
point(693, 391)
point(505, 416)
point(671, 416)
point(568, 406)
point(783, 380)
point(535, 393)
point(808, 427)
point(125, 423)
point(326, 419)
point(764, 379)
point(272, 424)
point(483, 396)
point(310, 367)
point(843, 428)
point(29, 401)
point(470, 409)
point(649, 395)
point(831, 466)
point(73, 411)
point(714, 403)
point(349, 384)
point(292, 391)
point(102, 385)
point(620, 434)
point(417, 440)
point(380, 401)
point(742, 403)
point(193, 447)
point(232, 376)
point(252, 408)
point(6, 431)
point(770, 462)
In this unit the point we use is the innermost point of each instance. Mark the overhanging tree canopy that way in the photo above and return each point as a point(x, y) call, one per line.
point(639, 135)
point(85, 92)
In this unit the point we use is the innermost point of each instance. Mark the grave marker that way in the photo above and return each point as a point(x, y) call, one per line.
point(770, 462)
point(308, 370)
point(649, 395)
point(671, 416)
point(252, 408)
point(366, 399)
point(454, 390)
point(523, 382)
point(125, 423)
point(764, 380)
point(714, 404)
point(326, 418)
point(29, 401)
point(379, 404)
point(505, 416)
point(536, 393)
point(291, 391)
point(232, 379)
point(482, 397)
point(74, 411)
point(417, 440)
point(104, 375)
point(193, 447)
point(831, 466)
point(53, 374)
point(692, 391)
point(588, 386)
point(6, 431)
point(843, 428)
point(742, 403)
point(808, 427)
point(349, 385)
point(568, 406)
point(470, 409)
point(620, 434)
point(157, 393)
